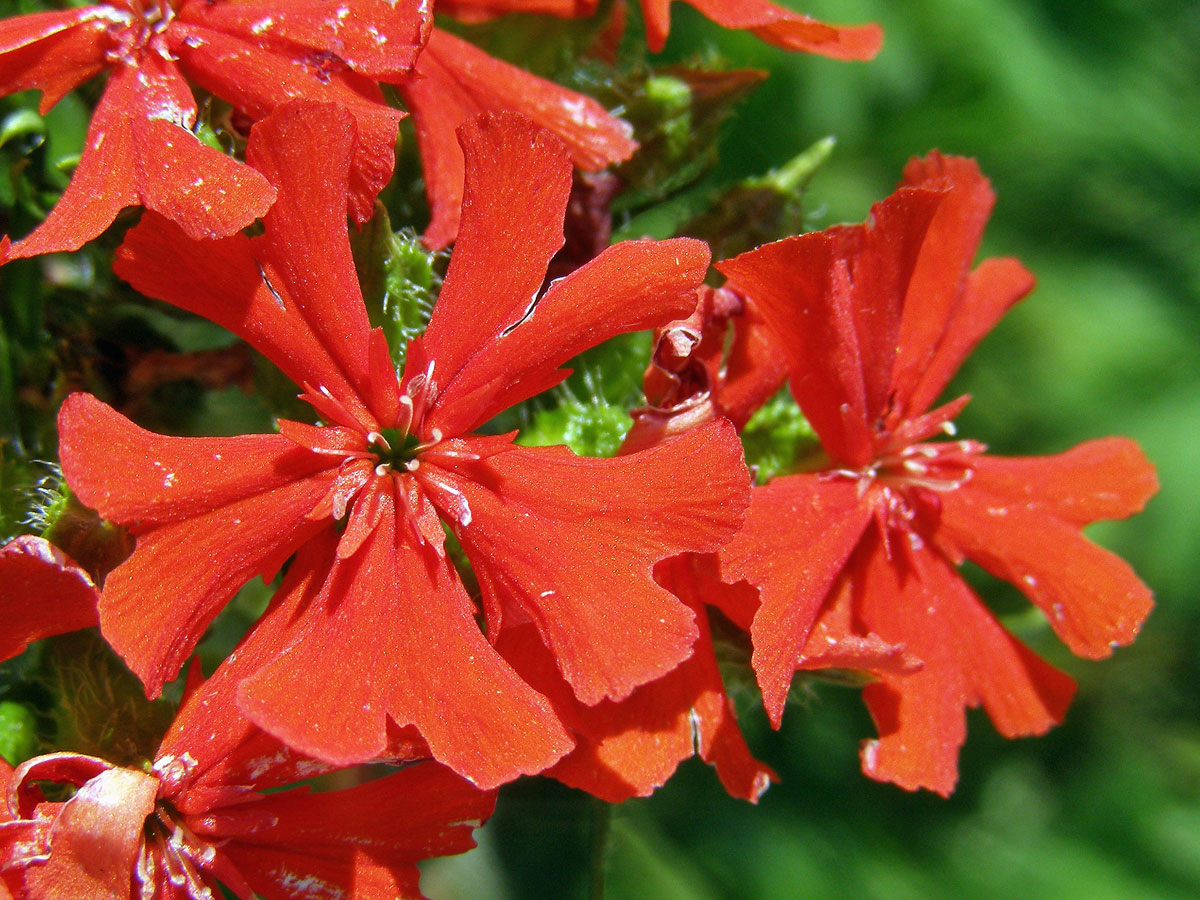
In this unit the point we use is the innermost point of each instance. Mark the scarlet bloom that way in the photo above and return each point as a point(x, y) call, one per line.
point(140, 147)
point(767, 21)
point(719, 362)
point(565, 543)
point(874, 320)
point(197, 815)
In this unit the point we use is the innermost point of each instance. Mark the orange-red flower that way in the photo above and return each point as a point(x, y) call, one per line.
point(209, 810)
point(140, 147)
point(721, 361)
point(874, 320)
point(565, 543)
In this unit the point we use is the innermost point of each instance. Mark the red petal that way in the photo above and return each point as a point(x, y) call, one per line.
point(629, 287)
point(516, 191)
point(946, 254)
point(211, 513)
point(803, 296)
point(799, 533)
point(139, 149)
point(755, 368)
point(473, 11)
point(256, 81)
point(882, 258)
point(101, 186)
point(207, 193)
point(714, 724)
point(631, 747)
point(211, 745)
point(991, 290)
point(1022, 693)
point(53, 51)
point(968, 659)
point(165, 479)
point(157, 604)
point(1109, 478)
point(783, 28)
point(489, 355)
point(613, 516)
point(421, 659)
point(374, 37)
point(834, 642)
point(96, 838)
point(456, 81)
point(920, 717)
point(306, 151)
point(365, 840)
point(45, 593)
point(222, 281)
point(1092, 598)
point(835, 299)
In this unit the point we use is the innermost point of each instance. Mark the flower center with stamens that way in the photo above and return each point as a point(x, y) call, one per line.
point(398, 449)
point(140, 29)
point(172, 852)
point(911, 479)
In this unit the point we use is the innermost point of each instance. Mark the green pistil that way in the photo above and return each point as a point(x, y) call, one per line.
point(397, 448)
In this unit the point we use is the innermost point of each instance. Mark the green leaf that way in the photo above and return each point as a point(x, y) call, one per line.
point(18, 733)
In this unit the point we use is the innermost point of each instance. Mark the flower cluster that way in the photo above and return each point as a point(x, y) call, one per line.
point(450, 599)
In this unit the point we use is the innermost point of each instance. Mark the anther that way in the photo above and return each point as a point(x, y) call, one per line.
point(374, 437)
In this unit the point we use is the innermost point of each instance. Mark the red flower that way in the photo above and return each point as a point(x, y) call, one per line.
point(45, 593)
point(454, 81)
point(256, 54)
point(565, 543)
point(198, 815)
point(874, 320)
point(630, 747)
point(774, 24)
point(720, 361)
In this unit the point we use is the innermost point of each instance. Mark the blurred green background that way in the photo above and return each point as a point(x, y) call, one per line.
point(1085, 116)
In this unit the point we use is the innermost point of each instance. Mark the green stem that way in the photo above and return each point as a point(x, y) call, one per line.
point(601, 828)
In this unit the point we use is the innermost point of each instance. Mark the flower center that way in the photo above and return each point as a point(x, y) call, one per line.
point(399, 449)
point(910, 479)
point(140, 30)
point(171, 851)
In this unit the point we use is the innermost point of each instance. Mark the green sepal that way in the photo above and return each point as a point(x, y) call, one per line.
point(590, 411)
point(760, 209)
point(676, 114)
point(589, 428)
point(400, 280)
